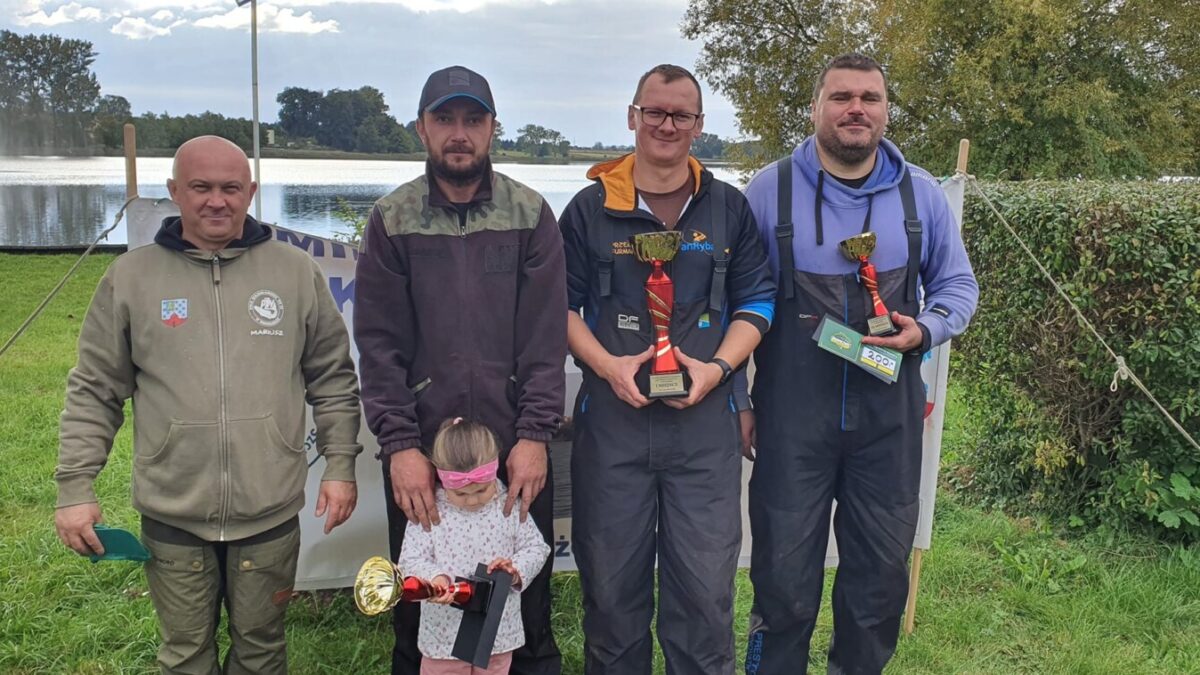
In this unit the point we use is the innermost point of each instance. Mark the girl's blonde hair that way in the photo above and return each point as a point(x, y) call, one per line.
point(462, 445)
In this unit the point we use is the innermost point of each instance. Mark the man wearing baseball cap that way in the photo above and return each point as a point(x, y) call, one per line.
point(457, 294)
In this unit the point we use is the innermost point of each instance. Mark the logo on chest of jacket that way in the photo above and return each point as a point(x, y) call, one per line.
point(699, 242)
point(629, 322)
point(174, 312)
point(266, 308)
point(623, 247)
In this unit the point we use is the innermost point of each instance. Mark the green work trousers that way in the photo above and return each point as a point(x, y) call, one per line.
point(190, 579)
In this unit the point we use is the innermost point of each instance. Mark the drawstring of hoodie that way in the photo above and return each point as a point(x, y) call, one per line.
point(817, 218)
point(817, 208)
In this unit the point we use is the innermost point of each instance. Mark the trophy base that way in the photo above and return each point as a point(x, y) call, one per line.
point(881, 326)
point(666, 385)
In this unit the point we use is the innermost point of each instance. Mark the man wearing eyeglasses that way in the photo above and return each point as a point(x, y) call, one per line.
point(660, 477)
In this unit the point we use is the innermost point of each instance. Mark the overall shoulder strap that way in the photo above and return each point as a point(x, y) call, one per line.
point(912, 227)
point(783, 228)
point(720, 227)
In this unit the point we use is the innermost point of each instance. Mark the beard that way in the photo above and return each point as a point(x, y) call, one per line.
point(851, 153)
point(458, 175)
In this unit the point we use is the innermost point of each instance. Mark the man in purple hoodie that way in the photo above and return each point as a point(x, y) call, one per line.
point(827, 430)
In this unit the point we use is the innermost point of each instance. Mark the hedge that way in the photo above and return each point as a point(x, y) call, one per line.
point(1053, 437)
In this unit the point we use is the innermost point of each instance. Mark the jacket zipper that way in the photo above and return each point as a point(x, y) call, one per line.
point(465, 285)
point(222, 423)
point(845, 365)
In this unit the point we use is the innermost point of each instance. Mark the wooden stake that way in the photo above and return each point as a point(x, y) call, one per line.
point(914, 580)
point(914, 574)
point(130, 161)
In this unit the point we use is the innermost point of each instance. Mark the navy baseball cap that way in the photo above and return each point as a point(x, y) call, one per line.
point(455, 82)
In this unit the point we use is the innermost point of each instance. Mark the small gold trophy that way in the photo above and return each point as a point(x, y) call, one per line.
point(656, 248)
point(859, 248)
point(380, 586)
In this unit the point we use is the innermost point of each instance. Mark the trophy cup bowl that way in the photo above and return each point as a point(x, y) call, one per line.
point(859, 247)
point(656, 246)
point(377, 587)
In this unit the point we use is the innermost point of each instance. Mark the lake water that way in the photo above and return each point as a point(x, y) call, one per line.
point(55, 201)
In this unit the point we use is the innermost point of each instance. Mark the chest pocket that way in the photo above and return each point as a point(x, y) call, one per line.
point(501, 259)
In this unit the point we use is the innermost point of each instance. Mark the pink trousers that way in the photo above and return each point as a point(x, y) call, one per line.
point(498, 665)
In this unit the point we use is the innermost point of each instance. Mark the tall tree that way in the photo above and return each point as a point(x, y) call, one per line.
point(540, 141)
point(111, 114)
point(1081, 87)
point(708, 146)
point(49, 92)
point(343, 111)
point(300, 111)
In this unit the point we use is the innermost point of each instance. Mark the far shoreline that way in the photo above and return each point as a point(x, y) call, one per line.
point(576, 156)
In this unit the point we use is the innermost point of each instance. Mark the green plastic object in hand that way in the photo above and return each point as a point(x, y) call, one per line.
point(118, 545)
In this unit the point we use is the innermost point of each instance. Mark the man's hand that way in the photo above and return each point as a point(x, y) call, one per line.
point(908, 339)
point(526, 474)
point(749, 435)
point(338, 498)
point(74, 526)
point(619, 374)
point(704, 377)
point(412, 476)
point(508, 566)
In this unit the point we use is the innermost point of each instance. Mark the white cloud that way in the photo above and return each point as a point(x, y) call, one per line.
point(68, 13)
point(286, 21)
point(163, 15)
point(428, 6)
point(137, 28)
point(271, 19)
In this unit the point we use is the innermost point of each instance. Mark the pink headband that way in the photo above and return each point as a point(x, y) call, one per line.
point(455, 480)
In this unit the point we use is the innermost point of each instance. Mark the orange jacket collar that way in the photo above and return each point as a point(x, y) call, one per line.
point(617, 177)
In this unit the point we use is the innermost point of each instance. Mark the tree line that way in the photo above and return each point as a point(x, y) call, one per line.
point(1077, 88)
point(50, 101)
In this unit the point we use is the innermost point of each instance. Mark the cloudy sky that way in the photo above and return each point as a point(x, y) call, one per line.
point(570, 65)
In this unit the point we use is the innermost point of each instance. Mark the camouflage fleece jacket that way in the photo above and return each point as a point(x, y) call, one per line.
point(460, 311)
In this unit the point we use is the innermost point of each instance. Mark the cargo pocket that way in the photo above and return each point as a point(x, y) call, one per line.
point(180, 478)
point(261, 577)
point(183, 582)
point(266, 471)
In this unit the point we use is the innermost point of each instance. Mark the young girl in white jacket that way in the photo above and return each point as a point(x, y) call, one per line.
point(473, 530)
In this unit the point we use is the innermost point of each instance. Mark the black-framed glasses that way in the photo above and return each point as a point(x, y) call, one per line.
point(655, 117)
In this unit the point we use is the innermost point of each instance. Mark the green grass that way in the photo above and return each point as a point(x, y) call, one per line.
point(998, 595)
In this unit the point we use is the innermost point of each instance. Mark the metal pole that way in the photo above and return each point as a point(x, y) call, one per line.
point(254, 87)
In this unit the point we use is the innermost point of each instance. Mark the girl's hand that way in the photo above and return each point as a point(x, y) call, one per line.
point(441, 585)
point(506, 565)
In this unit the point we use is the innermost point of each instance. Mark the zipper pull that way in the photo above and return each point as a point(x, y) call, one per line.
point(216, 269)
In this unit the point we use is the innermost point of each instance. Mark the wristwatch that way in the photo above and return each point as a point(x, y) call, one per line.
point(726, 369)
